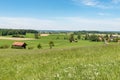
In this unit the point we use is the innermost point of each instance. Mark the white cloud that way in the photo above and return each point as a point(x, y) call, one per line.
point(25, 23)
point(95, 24)
point(90, 2)
point(104, 14)
point(99, 3)
point(61, 23)
point(86, 2)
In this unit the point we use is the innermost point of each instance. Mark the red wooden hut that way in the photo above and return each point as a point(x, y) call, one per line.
point(19, 44)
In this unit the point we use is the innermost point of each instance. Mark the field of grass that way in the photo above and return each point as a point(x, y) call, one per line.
point(66, 61)
point(44, 41)
point(79, 63)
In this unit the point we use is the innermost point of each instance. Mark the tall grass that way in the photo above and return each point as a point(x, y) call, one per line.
point(100, 62)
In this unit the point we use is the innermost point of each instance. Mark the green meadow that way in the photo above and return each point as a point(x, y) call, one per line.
point(44, 41)
point(83, 60)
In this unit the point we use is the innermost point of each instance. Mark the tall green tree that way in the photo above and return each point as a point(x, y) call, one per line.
point(36, 36)
point(51, 44)
point(87, 36)
point(71, 39)
point(79, 36)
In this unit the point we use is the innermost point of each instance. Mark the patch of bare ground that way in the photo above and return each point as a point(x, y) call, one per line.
point(11, 38)
point(44, 34)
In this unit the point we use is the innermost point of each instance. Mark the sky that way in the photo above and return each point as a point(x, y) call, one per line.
point(99, 15)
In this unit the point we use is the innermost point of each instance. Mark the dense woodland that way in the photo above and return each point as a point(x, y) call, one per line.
point(4, 32)
point(96, 32)
point(76, 32)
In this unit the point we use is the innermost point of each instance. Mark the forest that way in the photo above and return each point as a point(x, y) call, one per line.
point(5, 32)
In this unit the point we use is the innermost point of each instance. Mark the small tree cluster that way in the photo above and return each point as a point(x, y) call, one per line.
point(5, 32)
point(4, 46)
point(36, 36)
point(79, 36)
point(94, 38)
point(39, 46)
point(87, 37)
point(51, 44)
point(71, 39)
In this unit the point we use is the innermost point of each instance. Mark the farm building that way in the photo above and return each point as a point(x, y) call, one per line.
point(19, 45)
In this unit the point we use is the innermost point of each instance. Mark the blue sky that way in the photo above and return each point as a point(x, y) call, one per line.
point(102, 15)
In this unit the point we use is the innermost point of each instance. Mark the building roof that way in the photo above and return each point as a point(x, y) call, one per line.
point(18, 44)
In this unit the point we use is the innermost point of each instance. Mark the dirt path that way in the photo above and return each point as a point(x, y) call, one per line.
point(44, 34)
point(10, 38)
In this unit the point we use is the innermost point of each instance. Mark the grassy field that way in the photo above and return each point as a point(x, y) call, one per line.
point(44, 41)
point(66, 61)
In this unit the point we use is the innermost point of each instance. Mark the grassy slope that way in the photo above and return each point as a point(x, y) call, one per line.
point(77, 63)
point(66, 61)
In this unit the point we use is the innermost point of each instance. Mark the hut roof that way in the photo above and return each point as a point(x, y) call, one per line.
point(18, 44)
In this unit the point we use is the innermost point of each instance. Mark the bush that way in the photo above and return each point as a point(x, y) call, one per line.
point(79, 37)
point(76, 40)
point(94, 38)
point(18, 36)
point(51, 44)
point(71, 38)
point(39, 46)
point(4, 46)
point(17, 47)
point(116, 39)
point(36, 36)
point(30, 47)
point(87, 37)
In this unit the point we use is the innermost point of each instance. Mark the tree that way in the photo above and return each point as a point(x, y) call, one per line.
point(10, 33)
point(39, 46)
point(0, 33)
point(51, 44)
point(107, 37)
point(36, 36)
point(79, 36)
point(71, 39)
point(111, 35)
point(93, 38)
point(87, 37)
point(16, 32)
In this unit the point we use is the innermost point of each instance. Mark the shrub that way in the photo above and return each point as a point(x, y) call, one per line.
point(30, 47)
point(71, 39)
point(39, 46)
point(87, 37)
point(94, 38)
point(4, 46)
point(36, 36)
point(116, 39)
point(17, 47)
point(79, 36)
point(18, 36)
point(76, 40)
point(51, 44)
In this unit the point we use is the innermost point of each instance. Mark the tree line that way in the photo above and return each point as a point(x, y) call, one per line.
point(96, 32)
point(5, 32)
